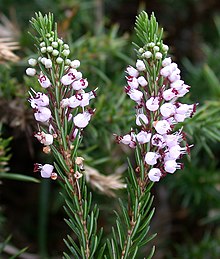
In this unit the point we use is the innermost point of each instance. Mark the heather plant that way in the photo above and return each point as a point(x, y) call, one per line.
point(63, 109)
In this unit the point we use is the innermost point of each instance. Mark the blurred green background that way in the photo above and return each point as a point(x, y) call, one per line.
point(100, 35)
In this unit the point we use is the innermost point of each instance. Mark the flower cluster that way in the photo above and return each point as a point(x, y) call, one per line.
point(157, 113)
point(63, 97)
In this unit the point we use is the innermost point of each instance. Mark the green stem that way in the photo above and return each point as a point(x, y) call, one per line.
point(43, 217)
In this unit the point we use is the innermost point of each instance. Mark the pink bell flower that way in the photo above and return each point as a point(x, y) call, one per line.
point(42, 114)
point(44, 81)
point(154, 174)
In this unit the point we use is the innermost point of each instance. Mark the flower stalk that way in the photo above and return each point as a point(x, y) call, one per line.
point(62, 112)
point(155, 86)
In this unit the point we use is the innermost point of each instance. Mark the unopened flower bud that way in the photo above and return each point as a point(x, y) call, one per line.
point(151, 158)
point(42, 44)
point(75, 63)
point(156, 48)
point(55, 52)
point(48, 63)
point(49, 49)
point(43, 50)
point(165, 48)
point(142, 81)
point(66, 52)
point(31, 71)
point(60, 41)
point(59, 60)
point(32, 62)
point(140, 65)
point(66, 46)
point(166, 62)
point(67, 62)
point(151, 44)
point(54, 44)
point(147, 54)
point(158, 55)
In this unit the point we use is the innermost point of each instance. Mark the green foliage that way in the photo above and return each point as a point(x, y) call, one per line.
point(208, 247)
point(147, 29)
point(132, 226)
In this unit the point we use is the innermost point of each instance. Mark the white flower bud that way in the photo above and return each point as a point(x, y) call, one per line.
point(165, 48)
point(48, 63)
point(158, 55)
point(49, 49)
point(59, 60)
point(142, 81)
point(54, 44)
point(140, 65)
point(55, 52)
point(151, 158)
point(66, 46)
point(147, 54)
point(32, 62)
point(48, 35)
point(141, 50)
point(42, 44)
point(51, 39)
point(43, 60)
point(66, 52)
point(156, 48)
point(151, 44)
point(31, 71)
point(43, 50)
point(75, 63)
point(166, 62)
point(141, 119)
point(60, 41)
point(67, 61)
